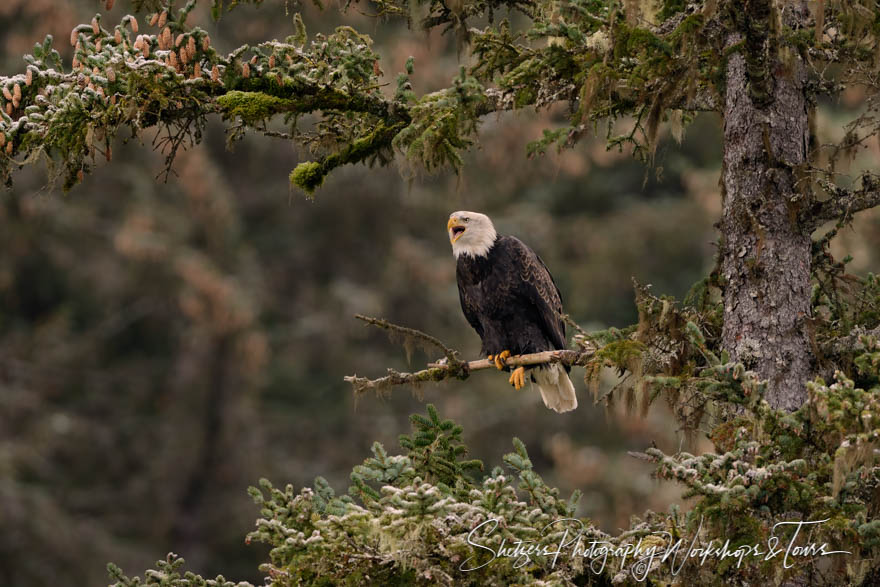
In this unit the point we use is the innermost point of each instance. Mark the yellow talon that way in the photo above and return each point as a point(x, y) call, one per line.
point(518, 377)
point(499, 359)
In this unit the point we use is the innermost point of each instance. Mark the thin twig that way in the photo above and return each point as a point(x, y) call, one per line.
point(641, 456)
point(451, 354)
point(568, 320)
point(277, 134)
point(843, 203)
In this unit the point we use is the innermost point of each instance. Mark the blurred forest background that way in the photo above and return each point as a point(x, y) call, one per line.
point(165, 344)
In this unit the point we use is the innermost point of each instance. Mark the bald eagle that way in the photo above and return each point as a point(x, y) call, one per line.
point(509, 297)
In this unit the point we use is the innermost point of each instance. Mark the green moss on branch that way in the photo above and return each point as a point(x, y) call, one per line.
point(304, 98)
point(310, 175)
point(253, 107)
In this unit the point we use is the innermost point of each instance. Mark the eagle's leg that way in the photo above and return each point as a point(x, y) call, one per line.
point(499, 359)
point(518, 377)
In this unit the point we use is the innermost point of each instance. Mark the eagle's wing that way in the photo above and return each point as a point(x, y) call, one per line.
point(468, 304)
point(537, 286)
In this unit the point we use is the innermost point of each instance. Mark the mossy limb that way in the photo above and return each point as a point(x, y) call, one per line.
point(253, 107)
point(308, 176)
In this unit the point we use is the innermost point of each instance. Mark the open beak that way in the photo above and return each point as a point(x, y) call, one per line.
point(455, 229)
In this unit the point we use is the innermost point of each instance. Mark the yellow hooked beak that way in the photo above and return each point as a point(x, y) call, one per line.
point(452, 227)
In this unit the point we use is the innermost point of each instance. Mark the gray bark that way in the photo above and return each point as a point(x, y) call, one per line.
point(765, 252)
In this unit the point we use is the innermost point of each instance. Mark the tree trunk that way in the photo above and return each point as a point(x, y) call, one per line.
point(765, 252)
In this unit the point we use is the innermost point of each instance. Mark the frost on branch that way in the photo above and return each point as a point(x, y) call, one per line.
point(413, 517)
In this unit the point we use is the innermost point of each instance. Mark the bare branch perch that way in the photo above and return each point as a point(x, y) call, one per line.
point(561, 356)
point(442, 371)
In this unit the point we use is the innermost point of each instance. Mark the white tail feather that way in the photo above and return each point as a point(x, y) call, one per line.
point(556, 388)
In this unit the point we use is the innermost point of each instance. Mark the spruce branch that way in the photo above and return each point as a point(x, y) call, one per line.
point(310, 175)
point(843, 202)
point(850, 343)
point(170, 77)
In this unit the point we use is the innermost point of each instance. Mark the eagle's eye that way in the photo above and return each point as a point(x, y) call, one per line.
point(465, 219)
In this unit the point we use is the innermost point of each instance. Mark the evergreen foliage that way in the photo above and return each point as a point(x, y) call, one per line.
point(408, 518)
point(421, 517)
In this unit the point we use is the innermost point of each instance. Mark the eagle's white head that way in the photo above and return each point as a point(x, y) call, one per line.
point(470, 233)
